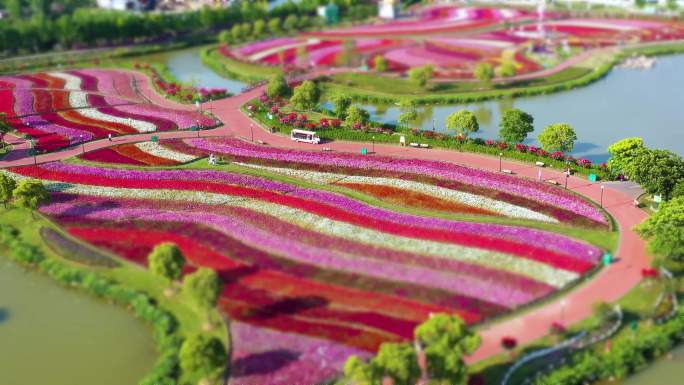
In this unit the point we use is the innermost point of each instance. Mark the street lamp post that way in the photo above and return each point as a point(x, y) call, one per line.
point(251, 130)
point(567, 175)
point(80, 137)
point(373, 143)
point(500, 165)
point(562, 315)
point(602, 187)
point(198, 127)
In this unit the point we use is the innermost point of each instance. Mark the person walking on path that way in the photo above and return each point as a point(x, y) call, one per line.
point(109, 137)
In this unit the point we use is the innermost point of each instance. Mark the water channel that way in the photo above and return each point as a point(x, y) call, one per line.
point(53, 335)
point(187, 67)
point(628, 102)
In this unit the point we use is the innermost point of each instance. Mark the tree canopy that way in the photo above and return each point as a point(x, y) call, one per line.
point(463, 122)
point(623, 152)
point(356, 115)
point(657, 171)
point(201, 355)
point(203, 286)
point(341, 103)
point(664, 230)
point(446, 339)
point(421, 76)
point(484, 72)
point(277, 86)
point(443, 338)
point(507, 69)
point(305, 96)
point(5, 125)
point(515, 125)
point(166, 260)
point(7, 186)
point(30, 194)
point(558, 137)
point(380, 63)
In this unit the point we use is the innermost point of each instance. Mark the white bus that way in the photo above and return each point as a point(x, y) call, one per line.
point(304, 136)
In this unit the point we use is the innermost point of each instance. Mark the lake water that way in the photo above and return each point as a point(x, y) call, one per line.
point(187, 67)
point(645, 103)
point(53, 335)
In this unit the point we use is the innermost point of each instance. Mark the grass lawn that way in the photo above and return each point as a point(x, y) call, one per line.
point(231, 68)
point(394, 87)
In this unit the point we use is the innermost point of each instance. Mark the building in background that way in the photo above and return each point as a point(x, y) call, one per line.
point(388, 9)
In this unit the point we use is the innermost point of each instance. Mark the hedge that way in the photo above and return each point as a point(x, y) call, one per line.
point(629, 354)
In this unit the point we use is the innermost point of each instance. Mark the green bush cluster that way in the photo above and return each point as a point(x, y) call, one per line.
point(164, 325)
point(629, 354)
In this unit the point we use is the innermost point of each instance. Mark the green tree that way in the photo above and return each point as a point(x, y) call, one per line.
point(657, 171)
point(225, 36)
point(5, 125)
point(623, 152)
point(14, 8)
point(341, 103)
point(202, 356)
point(236, 32)
point(7, 186)
point(356, 115)
point(515, 125)
point(30, 194)
point(166, 260)
point(664, 230)
point(408, 117)
point(246, 29)
point(305, 96)
point(259, 28)
point(277, 86)
point(678, 191)
point(445, 340)
point(558, 137)
point(380, 63)
point(274, 25)
point(203, 286)
point(421, 76)
point(290, 23)
point(484, 72)
point(507, 69)
point(463, 122)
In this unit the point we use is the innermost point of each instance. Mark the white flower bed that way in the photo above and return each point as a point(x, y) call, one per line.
point(503, 208)
point(156, 149)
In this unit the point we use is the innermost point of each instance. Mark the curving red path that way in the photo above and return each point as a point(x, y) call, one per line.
point(609, 284)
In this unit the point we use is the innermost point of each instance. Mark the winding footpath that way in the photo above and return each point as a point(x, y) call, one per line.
point(608, 285)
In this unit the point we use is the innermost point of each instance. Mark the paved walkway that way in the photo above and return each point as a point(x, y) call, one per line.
point(609, 285)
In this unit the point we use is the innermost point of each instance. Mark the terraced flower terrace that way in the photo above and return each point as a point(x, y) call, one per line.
point(324, 255)
point(454, 40)
point(61, 109)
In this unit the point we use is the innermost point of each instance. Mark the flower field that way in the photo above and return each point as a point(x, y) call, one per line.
point(318, 257)
point(61, 109)
point(451, 39)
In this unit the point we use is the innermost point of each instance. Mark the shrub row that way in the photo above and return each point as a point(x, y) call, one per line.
point(629, 354)
point(164, 325)
point(383, 133)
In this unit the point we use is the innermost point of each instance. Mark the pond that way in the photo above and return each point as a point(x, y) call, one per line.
point(187, 67)
point(645, 103)
point(53, 335)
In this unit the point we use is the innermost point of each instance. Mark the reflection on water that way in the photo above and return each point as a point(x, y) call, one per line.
point(53, 335)
point(645, 103)
point(187, 67)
